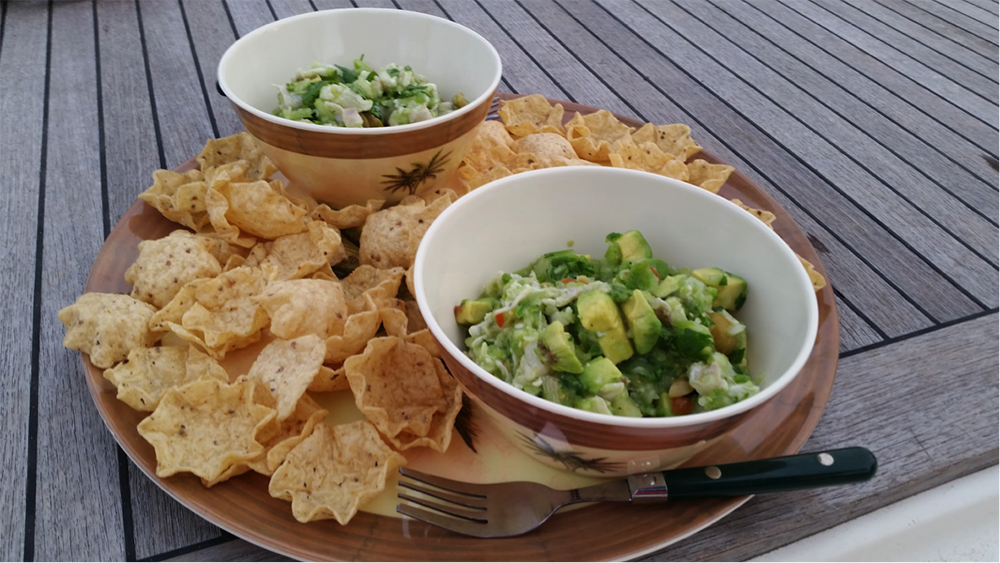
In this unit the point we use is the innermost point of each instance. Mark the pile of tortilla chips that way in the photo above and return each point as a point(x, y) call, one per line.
point(531, 135)
point(317, 297)
point(312, 294)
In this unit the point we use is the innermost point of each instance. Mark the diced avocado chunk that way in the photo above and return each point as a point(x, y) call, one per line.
point(598, 312)
point(663, 406)
point(615, 344)
point(598, 373)
point(628, 247)
point(473, 311)
point(642, 322)
point(593, 404)
point(693, 340)
point(623, 405)
point(731, 290)
point(557, 350)
point(642, 275)
point(727, 332)
point(669, 286)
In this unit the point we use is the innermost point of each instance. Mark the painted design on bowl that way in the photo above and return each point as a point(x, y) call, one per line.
point(418, 173)
point(465, 424)
point(573, 461)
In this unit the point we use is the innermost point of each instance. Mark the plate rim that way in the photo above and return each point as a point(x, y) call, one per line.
point(718, 508)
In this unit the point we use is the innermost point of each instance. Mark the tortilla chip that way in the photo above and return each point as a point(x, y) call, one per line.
point(708, 176)
point(425, 340)
point(287, 367)
point(167, 264)
point(107, 326)
point(531, 114)
point(674, 139)
point(220, 314)
point(179, 197)
point(330, 379)
point(380, 285)
point(360, 327)
point(208, 428)
point(241, 146)
point(390, 237)
point(293, 430)
point(300, 307)
point(297, 256)
point(817, 279)
point(260, 209)
point(148, 373)
point(544, 148)
point(766, 217)
point(334, 471)
point(593, 135)
point(648, 158)
point(393, 316)
point(348, 217)
point(405, 392)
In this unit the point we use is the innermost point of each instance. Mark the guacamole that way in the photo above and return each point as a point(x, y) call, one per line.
point(361, 96)
point(626, 335)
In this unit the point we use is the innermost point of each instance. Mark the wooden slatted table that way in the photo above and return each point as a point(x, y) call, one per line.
point(873, 122)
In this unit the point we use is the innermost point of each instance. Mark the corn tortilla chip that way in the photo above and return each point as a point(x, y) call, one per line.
point(649, 158)
point(390, 237)
point(817, 279)
point(405, 392)
point(287, 367)
point(148, 373)
point(531, 114)
point(348, 217)
point(241, 146)
point(300, 307)
point(208, 428)
point(708, 176)
point(180, 197)
point(297, 256)
point(329, 379)
point(593, 135)
point(674, 139)
point(167, 264)
point(292, 431)
point(334, 471)
point(260, 209)
point(766, 217)
point(107, 326)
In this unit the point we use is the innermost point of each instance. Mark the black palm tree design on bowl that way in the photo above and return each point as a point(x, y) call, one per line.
point(418, 173)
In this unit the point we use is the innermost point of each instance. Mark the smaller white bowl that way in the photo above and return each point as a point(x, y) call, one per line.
point(340, 165)
point(508, 223)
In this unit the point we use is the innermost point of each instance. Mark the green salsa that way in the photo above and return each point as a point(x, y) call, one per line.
point(627, 335)
point(361, 96)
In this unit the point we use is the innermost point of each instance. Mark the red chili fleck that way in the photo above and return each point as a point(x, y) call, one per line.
point(655, 273)
point(499, 319)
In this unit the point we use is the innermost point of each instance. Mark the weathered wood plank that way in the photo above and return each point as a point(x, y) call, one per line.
point(235, 550)
point(579, 82)
point(919, 172)
point(211, 34)
point(248, 15)
point(887, 102)
point(855, 332)
point(959, 67)
point(974, 13)
point(521, 73)
point(949, 254)
point(849, 273)
point(181, 109)
point(384, 4)
point(946, 29)
point(944, 86)
point(130, 141)
point(285, 8)
point(644, 70)
point(79, 503)
point(159, 522)
point(977, 60)
point(933, 431)
point(942, 110)
point(22, 55)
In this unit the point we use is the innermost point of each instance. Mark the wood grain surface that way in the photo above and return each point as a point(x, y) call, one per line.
point(873, 123)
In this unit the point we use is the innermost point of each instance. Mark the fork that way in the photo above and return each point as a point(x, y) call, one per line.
point(509, 509)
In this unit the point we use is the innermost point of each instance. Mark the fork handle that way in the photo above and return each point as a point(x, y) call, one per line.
point(802, 471)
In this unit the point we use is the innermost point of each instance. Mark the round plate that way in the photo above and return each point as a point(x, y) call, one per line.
point(606, 531)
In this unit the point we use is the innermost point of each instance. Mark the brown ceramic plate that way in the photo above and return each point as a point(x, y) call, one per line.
point(607, 531)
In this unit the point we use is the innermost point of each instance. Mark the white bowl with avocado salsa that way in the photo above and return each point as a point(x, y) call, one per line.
point(611, 321)
point(360, 104)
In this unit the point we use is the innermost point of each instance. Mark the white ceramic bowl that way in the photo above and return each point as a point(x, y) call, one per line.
point(341, 165)
point(508, 223)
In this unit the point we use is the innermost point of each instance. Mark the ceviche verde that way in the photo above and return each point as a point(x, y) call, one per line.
point(627, 335)
point(361, 96)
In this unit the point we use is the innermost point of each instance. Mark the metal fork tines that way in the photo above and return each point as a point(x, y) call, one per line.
point(486, 511)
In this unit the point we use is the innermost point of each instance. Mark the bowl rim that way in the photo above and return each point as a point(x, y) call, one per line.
point(805, 285)
point(374, 131)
